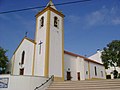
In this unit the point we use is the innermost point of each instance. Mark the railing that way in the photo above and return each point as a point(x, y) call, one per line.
point(47, 81)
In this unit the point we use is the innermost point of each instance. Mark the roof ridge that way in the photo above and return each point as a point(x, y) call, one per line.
point(51, 4)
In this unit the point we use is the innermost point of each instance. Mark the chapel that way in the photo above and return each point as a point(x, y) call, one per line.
point(45, 54)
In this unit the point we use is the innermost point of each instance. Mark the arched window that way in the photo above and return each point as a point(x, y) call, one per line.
point(101, 73)
point(95, 71)
point(42, 21)
point(86, 72)
point(22, 58)
point(56, 21)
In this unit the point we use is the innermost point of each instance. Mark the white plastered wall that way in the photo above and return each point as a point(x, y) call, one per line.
point(99, 68)
point(70, 62)
point(78, 64)
point(23, 82)
point(86, 69)
point(40, 36)
point(96, 57)
point(80, 67)
point(28, 47)
point(55, 47)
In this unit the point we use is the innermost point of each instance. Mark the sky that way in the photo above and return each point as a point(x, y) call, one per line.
point(88, 26)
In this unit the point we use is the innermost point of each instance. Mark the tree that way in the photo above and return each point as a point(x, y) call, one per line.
point(115, 73)
point(3, 60)
point(111, 56)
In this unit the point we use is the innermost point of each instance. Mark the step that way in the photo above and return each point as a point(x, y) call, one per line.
point(92, 80)
point(86, 85)
point(52, 86)
point(83, 89)
point(89, 81)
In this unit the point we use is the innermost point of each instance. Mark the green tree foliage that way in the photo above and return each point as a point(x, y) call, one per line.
point(3, 60)
point(115, 73)
point(111, 55)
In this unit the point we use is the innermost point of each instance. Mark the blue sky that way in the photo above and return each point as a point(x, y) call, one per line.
point(88, 26)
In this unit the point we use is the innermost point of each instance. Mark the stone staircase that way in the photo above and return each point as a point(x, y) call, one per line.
point(86, 85)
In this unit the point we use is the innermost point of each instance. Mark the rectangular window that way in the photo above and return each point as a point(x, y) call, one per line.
point(101, 73)
point(95, 71)
point(23, 57)
point(86, 72)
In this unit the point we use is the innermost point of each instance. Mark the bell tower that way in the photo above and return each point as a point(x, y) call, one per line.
point(49, 38)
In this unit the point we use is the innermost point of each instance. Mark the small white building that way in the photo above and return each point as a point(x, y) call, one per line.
point(45, 55)
point(97, 58)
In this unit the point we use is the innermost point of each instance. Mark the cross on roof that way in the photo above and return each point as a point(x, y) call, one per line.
point(26, 34)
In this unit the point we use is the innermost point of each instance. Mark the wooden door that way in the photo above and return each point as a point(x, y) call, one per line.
point(68, 75)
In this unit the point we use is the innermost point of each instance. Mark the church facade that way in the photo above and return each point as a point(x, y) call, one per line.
point(45, 55)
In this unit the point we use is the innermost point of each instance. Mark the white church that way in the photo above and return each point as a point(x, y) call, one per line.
point(45, 55)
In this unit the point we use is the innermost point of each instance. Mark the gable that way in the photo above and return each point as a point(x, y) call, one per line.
point(30, 41)
point(51, 5)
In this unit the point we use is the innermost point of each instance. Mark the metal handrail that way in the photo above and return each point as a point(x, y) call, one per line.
point(51, 78)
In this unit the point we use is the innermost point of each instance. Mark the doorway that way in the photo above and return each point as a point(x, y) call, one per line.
point(78, 74)
point(68, 75)
point(22, 71)
point(108, 76)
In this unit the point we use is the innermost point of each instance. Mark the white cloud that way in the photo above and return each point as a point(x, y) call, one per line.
point(103, 16)
point(116, 21)
point(95, 18)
